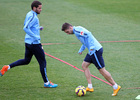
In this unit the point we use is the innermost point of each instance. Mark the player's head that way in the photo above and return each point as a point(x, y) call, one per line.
point(36, 6)
point(67, 28)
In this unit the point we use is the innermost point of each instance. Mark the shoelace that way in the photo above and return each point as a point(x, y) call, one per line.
point(51, 83)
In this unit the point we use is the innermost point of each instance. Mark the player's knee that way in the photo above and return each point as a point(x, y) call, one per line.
point(27, 61)
point(84, 67)
point(42, 64)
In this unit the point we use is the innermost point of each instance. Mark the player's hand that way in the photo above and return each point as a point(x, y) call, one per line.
point(41, 28)
point(80, 53)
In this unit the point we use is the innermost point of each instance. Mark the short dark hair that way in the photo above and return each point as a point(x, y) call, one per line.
point(35, 4)
point(65, 26)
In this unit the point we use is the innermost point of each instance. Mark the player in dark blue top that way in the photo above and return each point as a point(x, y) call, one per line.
point(94, 55)
point(32, 44)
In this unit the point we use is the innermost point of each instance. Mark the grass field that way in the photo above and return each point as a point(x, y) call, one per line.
point(108, 20)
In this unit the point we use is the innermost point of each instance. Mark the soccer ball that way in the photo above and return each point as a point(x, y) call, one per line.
point(80, 91)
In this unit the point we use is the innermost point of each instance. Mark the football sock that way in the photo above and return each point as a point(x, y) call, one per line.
point(90, 86)
point(115, 86)
point(47, 83)
point(8, 67)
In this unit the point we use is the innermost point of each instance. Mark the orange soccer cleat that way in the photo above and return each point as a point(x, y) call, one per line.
point(4, 69)
point(116, 91)
point(90, 90)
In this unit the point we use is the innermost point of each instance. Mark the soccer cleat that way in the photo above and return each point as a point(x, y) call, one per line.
point(50, 85)
point(3, 70)
point(116, 91)
point(90, 90)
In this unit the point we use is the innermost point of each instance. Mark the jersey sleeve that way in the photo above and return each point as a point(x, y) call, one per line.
point(83, 33)
point(91, 43)
point(83, 47)
point(80, 32)
point(28, 24)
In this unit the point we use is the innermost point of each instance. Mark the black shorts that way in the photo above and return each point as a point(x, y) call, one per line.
point(96, 59)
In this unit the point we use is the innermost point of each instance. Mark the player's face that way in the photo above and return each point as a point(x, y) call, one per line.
point(38, 9)
point(69, 30)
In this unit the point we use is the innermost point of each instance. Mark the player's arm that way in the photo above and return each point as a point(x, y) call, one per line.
point(27, 25)
point(83, 47)
point(91, 44)
point(85, 34)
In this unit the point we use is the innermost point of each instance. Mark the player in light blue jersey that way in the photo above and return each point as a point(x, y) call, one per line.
point(95, 51)
point(32, 44)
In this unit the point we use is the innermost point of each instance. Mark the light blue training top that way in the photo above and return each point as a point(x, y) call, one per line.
point(32, 28)
point(87, 39)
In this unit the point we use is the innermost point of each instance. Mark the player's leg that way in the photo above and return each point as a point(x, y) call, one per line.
point(99, 63)
point(87, 71)
point(109, 78)
point(27, 58)
point(107, 75)
point(85, 64)
point(25, 61)
point(40, 56)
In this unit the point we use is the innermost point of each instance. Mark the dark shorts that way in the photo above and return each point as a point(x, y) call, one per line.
point(96, 59)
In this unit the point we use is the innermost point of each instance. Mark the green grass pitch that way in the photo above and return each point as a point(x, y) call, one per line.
point(108, 20)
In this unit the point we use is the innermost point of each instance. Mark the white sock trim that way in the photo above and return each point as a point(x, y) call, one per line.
point(115, 86)
point(47, 83)
point(8, 67)
point(90, 86)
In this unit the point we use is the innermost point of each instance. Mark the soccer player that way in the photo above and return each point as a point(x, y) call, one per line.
point(93, 56)
point(32, 44)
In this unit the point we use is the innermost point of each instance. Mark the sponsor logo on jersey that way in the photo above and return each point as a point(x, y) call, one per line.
point(81, 33)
